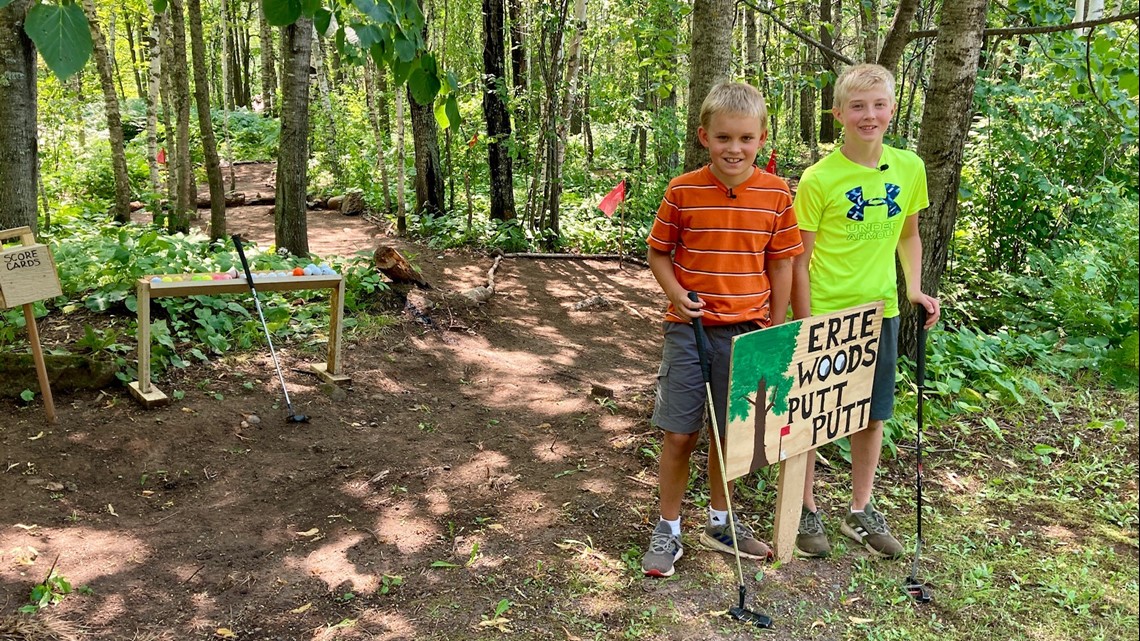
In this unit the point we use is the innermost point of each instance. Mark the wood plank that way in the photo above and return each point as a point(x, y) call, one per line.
point(238, 285)
point(789, 501)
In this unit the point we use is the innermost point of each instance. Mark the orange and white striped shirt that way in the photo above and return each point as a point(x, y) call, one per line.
point(722, 239)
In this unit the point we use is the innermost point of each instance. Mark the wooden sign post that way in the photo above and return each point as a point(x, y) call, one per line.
point(27, 274)
point(793, 388)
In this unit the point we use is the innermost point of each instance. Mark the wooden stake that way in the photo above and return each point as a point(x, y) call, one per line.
point(38, 356)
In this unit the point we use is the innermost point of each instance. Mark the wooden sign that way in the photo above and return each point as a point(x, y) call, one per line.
point(27, 275)
point(796, 386)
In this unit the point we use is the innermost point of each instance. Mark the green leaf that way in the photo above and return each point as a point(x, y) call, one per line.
point(443, 564)
point(4, 3)
point(441, 115)
point(453, 112)
point(310, 7)
point(378, 10)
point(159, 5)
point(424, 86)
point(62, 35)
point(27, 395)
point(401, 70)
point(282, 13)
point(322, 19)
point(405, 49)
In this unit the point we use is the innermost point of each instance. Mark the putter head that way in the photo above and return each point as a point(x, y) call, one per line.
point(297, 418)
point(918, 591)
point(749, 617)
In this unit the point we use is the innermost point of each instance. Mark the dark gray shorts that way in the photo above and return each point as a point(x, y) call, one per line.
point(883, 389)
point(681, 397)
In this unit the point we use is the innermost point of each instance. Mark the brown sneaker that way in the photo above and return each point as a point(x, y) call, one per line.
point(869, 529)
point(719, 538)
point(811, 540)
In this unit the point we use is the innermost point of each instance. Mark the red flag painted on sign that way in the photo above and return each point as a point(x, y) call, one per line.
point(771, 167)
point(610, 203)
point(161, 157)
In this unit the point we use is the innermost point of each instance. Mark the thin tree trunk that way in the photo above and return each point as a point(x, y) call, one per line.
point(381, 139)
point(290, 223)
point(205, 121)
point(751, 47)
point(187, 199)
point(558, 148)
point(117, 72)
point(401, 159)
point(945, 125)
point(711, 62)
point(807, 97)
point(165, 49)
point(519, 73)
point(896, 39)
point(134, 56)
point(429, 174)
point(19, 171)
point(152, 82)
point(268, 70)
point(869, 24)
point(827, 92)
point(326, 103)
point(122, 210)
point(496, 114)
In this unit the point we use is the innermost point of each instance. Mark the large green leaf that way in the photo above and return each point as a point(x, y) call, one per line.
point(401, 70)
point(62, 36)
point(441, 116)
point(453, 112)
point(378, 10)
point(159, 5)
point(310, 7)
point(405, 49)
point(424, 85)
point(4, 3)
point(281, 13)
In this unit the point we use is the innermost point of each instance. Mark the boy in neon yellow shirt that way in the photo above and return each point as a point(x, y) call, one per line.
point(857, 208)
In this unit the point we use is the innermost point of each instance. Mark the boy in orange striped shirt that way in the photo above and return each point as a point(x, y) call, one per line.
point(727, 232)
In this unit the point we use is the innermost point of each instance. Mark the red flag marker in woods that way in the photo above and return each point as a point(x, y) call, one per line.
point(610, 203)
point(161, 157)
point(771, 167)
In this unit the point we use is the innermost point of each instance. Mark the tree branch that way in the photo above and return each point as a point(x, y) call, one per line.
point(827, 51)
point(1017, 31)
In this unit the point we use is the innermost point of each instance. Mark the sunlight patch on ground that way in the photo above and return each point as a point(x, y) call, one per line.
point(386, 626)
point(85, 554)
point(408, 533)
point(482, 467)
point(437, 501)
point(329, 563)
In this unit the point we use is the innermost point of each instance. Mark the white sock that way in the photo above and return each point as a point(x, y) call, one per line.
point(674, 525)
point(717, 517)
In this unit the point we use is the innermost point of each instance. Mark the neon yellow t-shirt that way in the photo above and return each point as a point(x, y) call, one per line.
point(857, 214)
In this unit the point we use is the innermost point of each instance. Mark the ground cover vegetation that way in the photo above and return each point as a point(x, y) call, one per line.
point(1032, 374)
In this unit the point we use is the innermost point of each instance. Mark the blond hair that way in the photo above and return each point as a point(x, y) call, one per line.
point(734, 98)
point(862, 78)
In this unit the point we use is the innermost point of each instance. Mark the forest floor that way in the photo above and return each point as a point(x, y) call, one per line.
point(467, 484)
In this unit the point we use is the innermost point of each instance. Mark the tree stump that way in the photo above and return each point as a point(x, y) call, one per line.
point(392, 264)
point(353, 203)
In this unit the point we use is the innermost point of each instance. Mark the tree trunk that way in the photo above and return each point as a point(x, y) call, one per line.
point(166, 56)
point(180, 84)
point(869, 24)
point(827, 92)
point(429, 173)
point(18, 127)
point(290, 225)
point(116, 72)
point(807, 96)
point(134, 57)
point(326, 102)
point(710, 62)
point(558, 142)
point(751, 47)
point(896, 39)
point(519, 71)
point(122, 210)
point(382, 141)
point(496, 114)
point(205, 122)
point(945, 124)
point(268, 70)
point(401, 160)
point(152, 82)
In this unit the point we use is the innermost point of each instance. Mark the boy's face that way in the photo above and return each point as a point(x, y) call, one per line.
point(732, 141)
point(866, 114)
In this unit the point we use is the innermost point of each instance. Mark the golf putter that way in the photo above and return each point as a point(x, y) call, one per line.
point(293, 417)
point(917, 589)
point(739, 611)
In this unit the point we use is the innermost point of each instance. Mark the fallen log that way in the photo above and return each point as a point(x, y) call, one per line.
point(542, 255)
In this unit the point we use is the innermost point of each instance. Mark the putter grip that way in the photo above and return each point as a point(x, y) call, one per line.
point(921, 364)
point(699, 331)
point(244, 262)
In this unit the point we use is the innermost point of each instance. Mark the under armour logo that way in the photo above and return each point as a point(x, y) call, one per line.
point(860, 203)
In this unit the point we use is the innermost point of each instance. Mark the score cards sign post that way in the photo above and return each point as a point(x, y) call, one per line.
point(793, 388)
point(27, 275)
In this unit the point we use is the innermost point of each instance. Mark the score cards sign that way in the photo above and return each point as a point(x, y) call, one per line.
point(27, 275)
point(796, 386)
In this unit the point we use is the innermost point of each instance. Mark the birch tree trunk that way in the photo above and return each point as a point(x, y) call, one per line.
point(382, 140)
point(519, 72)
point(326, 102)
point(827, 92)
point(945, 124)
point(290, 225)
point(180, 84)
point(153, 75)
point(134, 56)
point(751, 47)
point(122, 210)
point(401, 160)
point(205, 122)
point(710, 62)
point(869, 24)
point(19, 172)
point(496, 114)
point(558, 142)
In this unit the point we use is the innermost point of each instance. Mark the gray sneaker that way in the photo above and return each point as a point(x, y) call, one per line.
point(664, 550)
point(719, 538)
point(811, 540)
point(869, 529)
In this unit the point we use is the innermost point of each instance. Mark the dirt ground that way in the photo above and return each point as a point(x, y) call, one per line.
point(467, 465)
